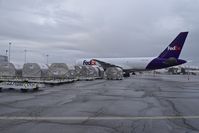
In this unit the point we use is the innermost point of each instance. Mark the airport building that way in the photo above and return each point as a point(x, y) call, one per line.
point(3, 58)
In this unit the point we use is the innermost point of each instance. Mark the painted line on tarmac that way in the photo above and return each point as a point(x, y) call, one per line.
point(96, 118)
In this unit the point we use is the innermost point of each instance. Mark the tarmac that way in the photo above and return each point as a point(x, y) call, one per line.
point(138, 104)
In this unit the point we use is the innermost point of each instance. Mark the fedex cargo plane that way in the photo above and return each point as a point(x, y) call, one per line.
point(169, 57)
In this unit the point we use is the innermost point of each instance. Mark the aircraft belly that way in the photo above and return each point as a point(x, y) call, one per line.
point(138, 65)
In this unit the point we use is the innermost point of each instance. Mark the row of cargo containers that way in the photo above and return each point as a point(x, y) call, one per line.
point(53, 71)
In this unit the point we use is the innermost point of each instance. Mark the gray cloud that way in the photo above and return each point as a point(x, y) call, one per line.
point(72, 29)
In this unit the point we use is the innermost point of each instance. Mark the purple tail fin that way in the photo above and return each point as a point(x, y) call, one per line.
point(174, 49)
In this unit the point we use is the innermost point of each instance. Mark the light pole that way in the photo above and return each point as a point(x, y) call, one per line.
point(6, 52)
point(9, 51)
point(47, 59)
point(25, 51)
point(6, 55)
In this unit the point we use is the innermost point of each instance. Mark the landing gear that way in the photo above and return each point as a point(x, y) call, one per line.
point(36, 89)
point(126, 75)
point(133, 73)
point(24, 90)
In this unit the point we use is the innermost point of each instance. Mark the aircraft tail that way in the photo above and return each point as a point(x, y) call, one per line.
point(175, 47)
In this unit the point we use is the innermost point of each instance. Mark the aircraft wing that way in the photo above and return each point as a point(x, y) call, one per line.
point(105, 64)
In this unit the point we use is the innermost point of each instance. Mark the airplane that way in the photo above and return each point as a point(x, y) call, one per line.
point(169, 57)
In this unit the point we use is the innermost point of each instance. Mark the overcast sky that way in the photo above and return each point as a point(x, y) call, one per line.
point(70, 29)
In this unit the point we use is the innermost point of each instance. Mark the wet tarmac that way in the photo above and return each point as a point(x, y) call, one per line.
point(139, 104)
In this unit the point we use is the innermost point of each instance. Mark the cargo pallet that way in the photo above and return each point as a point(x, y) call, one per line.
point(38, 80)
point(86, 78)
point(23, 86)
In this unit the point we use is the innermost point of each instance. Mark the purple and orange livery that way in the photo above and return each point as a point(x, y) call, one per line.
point(169, 57)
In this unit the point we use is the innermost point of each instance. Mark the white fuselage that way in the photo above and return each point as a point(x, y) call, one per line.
point(133, 64)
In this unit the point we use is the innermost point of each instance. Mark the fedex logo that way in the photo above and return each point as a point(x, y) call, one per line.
point(91, 62)
point(174, 48)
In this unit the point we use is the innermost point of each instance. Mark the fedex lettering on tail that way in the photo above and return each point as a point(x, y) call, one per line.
point(174, 48)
